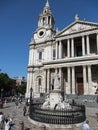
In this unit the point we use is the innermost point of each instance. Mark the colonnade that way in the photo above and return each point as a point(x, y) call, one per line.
point(70, 87)
point(71, 46)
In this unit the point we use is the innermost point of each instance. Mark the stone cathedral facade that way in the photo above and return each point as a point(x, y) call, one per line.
point(72, 53)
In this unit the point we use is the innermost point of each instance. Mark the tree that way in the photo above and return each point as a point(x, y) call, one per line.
point(21, 89)
point(5, 83)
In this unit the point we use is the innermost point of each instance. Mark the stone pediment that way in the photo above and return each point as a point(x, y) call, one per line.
point(77, 26)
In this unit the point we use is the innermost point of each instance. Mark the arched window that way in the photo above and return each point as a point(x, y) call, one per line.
point(39, 82)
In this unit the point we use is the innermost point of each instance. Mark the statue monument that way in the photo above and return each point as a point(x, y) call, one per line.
point(56, 82)
point(56, 112)
point(55, 100)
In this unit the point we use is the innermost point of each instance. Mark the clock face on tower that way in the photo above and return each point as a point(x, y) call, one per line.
point(41, 33)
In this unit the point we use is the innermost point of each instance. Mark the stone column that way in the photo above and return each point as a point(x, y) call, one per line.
point(30, 58)
point(68, 80)
point(47, 20)
point(56, 50)
point(85, 80)
point(50, 21)
point(88, 45)
point(60, 74)
point(61, 78)
point(28, 85)
point(72, 47)
point(68, 48)
point(45, 80)
point(41, 22)
point(73, 80)
point(89, 80)
point(83, 46)
point(97, 42)
point(48, 80)
point(60, 49)
point(56, 70)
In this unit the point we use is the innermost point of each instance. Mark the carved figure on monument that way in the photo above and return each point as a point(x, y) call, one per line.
point(46, 104)
point(56, 82)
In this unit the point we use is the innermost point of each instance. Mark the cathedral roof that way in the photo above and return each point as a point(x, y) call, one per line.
point(77, 26)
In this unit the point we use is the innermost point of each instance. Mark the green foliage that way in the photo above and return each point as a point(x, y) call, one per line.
point(5, 82)
point(21, 89)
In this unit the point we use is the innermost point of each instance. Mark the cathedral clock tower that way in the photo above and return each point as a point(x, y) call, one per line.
point(41, 50)
point(45, 25)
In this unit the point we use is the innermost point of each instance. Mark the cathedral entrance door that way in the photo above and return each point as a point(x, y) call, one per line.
point(80, 89)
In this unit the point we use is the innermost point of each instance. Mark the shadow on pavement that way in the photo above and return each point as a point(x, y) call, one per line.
point(27, 129)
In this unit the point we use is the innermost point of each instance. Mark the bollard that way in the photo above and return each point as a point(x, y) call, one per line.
point(43, 127)
point(97, 116)
point(21, 125)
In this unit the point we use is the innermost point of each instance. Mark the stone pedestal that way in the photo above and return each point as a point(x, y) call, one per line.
point(21, 125)
point(43, 127)
point(55, 98)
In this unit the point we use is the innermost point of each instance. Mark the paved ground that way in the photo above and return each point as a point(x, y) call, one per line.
point(17, 115)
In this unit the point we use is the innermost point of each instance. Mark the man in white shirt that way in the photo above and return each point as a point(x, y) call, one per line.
point(86, 126)
point(1, 120)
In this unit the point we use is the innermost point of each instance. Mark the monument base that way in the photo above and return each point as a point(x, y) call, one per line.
point(55, 98)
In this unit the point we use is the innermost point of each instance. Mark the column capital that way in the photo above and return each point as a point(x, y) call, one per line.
point(72, 38)
point(89, 65)
point(87, 34)
point(59, 40)
point(84, 65)
point(83, 36)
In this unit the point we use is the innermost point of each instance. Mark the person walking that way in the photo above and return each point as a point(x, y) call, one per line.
point(86, 125)
point(24, 110)
point(1, 120)
point(8, 124)
point(16, 103)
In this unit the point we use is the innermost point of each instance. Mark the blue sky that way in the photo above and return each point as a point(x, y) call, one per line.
point(18, 21)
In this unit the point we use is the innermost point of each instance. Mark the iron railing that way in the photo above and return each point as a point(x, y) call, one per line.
point(68, 116)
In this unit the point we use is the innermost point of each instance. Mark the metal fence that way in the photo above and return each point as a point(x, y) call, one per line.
point(68, 116)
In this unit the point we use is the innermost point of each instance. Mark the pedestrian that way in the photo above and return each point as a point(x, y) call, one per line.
point(24, 110)
point(1, 120)
point(7, 124)
point(86, 125)
point(16, 103)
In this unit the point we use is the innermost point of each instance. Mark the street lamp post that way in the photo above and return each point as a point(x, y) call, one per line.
point(30, 108)
point(31, 90)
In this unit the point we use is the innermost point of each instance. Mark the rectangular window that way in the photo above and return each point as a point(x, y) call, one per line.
point(54, 54)
point(40, 55)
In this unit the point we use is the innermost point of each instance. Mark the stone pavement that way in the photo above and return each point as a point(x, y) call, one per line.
point(17, 115)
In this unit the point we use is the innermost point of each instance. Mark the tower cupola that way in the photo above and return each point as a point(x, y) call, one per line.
point(46, 18)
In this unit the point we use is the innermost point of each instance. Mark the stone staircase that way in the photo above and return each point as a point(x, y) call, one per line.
point(88, 100)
